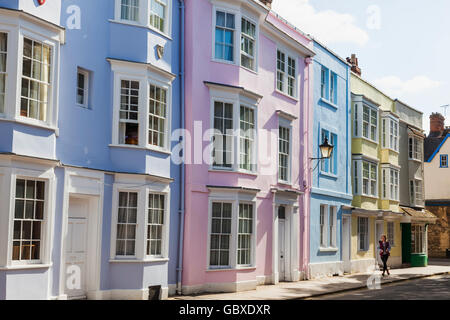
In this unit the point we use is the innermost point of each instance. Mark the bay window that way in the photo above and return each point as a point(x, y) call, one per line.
point(370, 123)
point(3, 74)
point(332, 226)
point(158, 14)
point(220, 234)
point(126, 224)
point(28, 220)
point(390, 138)
point(416, 192)
point(390, 182)
point(129, 10)
point(415, 148)
point(248, 44)
point(129, 112)
point(142, 107)
point(286, 74)
point(157, 116)
point(232, 234)
point(245, 232)
point(327, 226)
point(365, 119)
point(36, 75)
point(155, 224)
point(140, 223)
point(223, 135)
point(247, 139)
point(224, 36)
point(366, 178)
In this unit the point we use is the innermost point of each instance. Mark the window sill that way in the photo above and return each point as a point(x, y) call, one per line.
point(231, 269)
point(26, 267)
point(415, 160)
point(255, 72)
point(232, 63)
point(390, 149)
point(367, 196)
point(150, 260)
point(137, 24)
point(125, 146)
point(329, 103)
point(285, 183)
point(330, 249)
point(329, 175)
point(368, 140)
point(31, 122)
point(286, 95)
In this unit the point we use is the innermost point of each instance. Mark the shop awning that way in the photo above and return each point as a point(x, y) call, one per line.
point(419, 215)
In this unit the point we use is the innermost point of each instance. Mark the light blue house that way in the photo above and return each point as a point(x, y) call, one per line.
point(331, 193)
point(89, 197)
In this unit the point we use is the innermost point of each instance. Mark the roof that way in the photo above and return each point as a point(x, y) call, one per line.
point(433, 144)
point(419, 215)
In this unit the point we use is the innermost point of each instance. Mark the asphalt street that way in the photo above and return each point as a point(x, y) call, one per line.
point(432, 288)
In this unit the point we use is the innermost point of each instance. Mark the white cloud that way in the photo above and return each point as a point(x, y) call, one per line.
point(326, 26)
point(397, 87)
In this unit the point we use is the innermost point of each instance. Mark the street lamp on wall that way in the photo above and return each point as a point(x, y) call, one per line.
point(326, 150)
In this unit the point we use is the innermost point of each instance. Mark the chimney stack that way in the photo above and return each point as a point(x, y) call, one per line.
point(437, 123)
point(354, 62)
point(268, 3)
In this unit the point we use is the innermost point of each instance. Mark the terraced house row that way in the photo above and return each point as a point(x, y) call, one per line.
point(162, 147)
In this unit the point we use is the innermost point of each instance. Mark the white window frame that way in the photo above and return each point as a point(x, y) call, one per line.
point(333, 88)
point(390, 183)
point(144, 17)
point(236, 34)
point(234, 198)
point(86, 75)
point(358, 120)
point(323, 225)
point(415, 148)
point(324, 76)
point(285, 123)
point(252, 150)
point(358, 167)
point(390, 227)
point(237, 100)
point(416, 192)
point(11, 175)
point(143, 187)
point(287, 55)
point(128, 191)
point(367, 233)
point(332, 226)
point(255, 43)
point(146, 76)
point(390, 132)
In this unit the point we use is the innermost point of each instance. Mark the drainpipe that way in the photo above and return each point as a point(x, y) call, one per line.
point(182, 166)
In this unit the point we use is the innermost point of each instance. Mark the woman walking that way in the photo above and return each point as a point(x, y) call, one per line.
point(385, 252)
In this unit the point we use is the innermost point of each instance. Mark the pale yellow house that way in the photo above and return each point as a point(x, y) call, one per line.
point(375, 177)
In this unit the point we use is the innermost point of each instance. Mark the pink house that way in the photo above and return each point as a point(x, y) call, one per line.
point(248, 110)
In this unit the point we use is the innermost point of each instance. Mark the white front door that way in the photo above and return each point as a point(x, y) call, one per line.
point(282, 249)
point(346, 225)
point(379, 232)
point(76, 248)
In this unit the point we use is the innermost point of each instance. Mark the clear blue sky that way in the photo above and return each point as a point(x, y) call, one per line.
point(403, 46)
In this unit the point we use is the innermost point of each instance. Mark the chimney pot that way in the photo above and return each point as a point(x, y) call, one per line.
point(437, 123)
point(354, 62)
point(268, 3)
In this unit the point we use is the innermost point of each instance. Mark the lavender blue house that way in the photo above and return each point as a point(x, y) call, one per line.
point(89, 96)
point(331, 191)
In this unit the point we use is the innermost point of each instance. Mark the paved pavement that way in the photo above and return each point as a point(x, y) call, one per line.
point(432, 288)
point(325, 286)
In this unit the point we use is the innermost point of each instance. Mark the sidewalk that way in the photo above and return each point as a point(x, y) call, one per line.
point(311, 288)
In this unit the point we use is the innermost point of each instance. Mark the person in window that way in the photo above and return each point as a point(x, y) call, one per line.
point(385, 252)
